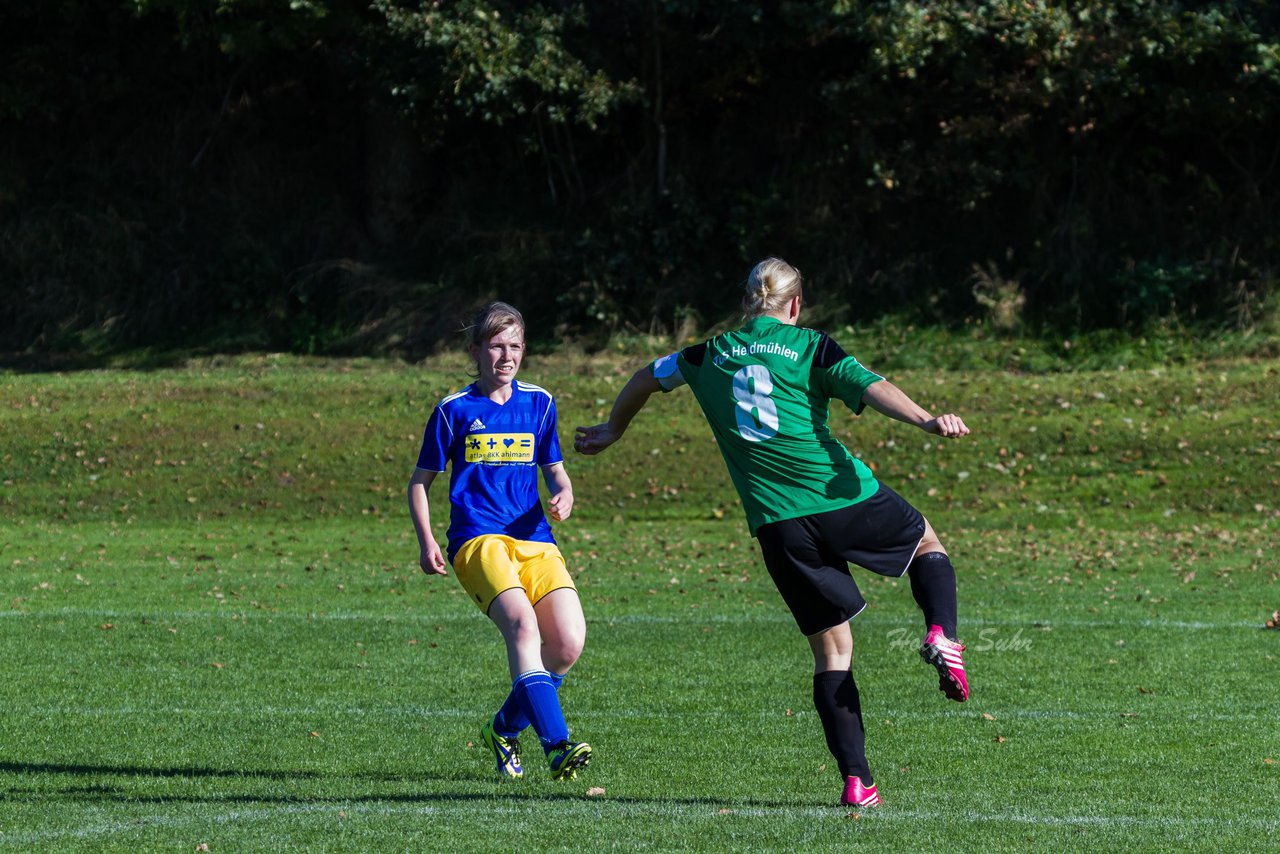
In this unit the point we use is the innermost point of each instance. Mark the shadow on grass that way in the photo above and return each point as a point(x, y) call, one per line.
point(141, 771)
point(103, 793)
point(501, 792)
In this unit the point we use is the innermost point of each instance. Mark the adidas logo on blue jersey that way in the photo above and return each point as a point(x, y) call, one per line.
point(475, 425)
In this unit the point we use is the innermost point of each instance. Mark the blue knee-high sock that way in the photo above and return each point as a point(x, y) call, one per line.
point(541, 703)
point(511, 719)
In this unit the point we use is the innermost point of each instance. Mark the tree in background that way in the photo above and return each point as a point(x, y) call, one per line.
point(348, 176)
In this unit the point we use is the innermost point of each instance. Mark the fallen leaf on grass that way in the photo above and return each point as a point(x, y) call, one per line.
point(724, 812)
point(989, 716)
point(217, 665)
point(1142, 690)
point(1269, 761)
point(203, 846)
point(314, 734)
point(790, 713)
point(1000, 739)
point(1274, 622)
point(855, 816)
point(106, 626)
point(595, 792)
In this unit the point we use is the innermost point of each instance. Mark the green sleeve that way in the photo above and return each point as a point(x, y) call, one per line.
point(846, 380)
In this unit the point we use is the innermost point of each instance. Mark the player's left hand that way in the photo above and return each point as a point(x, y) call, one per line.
point(560, 505)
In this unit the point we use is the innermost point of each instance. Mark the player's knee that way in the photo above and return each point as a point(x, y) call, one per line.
point(566, 647)
point(929, 542)
point(560, 659)
point(524, 631)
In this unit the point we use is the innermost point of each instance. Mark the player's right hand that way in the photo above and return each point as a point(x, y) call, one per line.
point(949, 426)
point(432, 560)
point(593, 440)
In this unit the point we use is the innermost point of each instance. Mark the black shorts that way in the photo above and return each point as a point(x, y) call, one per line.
point(809, 557)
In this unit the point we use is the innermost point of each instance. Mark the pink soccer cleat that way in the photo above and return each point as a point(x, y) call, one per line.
point(858, 795)
point(944, 654)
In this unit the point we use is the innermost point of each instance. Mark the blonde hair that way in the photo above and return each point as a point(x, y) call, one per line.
point(771, 285)
point(492, 319)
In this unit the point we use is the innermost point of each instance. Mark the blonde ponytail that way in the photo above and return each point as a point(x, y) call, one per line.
point(771, 285)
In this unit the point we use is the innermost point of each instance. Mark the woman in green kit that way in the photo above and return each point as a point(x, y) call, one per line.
point(765, 390)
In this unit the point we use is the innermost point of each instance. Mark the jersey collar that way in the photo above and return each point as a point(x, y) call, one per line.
point(475, 391)
point(762, 321)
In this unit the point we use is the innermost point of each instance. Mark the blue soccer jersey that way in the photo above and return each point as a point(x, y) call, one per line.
point(495, 450)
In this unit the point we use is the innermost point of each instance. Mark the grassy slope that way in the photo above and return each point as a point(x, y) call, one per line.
point(215, 632)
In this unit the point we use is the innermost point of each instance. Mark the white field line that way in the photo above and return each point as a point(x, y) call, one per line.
point(256, 615)
point(1182, 825)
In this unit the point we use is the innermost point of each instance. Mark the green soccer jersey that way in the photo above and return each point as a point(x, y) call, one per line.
point(766, 390)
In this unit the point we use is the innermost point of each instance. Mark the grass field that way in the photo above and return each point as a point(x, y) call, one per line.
point(214, 632)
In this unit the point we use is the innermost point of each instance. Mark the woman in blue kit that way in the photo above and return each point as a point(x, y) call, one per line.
point(496, 434)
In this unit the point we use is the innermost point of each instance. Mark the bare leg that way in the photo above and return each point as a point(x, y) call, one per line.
point(832, 649)
point(533, 695)
point(563, 629)
point(929, 542)
point(516, 619)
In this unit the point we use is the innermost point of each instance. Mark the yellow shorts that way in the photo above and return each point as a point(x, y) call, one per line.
point(494, 563)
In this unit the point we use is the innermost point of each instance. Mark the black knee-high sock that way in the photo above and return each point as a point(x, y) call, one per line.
point(835, 696)
point(933, 584)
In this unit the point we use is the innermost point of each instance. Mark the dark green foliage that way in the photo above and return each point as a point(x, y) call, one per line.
point(338, 176)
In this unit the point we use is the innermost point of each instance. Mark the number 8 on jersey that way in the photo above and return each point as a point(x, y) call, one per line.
point(756, 412)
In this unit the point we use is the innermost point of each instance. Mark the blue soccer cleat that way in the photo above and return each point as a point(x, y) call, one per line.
point(506, 752)
point(567, 758)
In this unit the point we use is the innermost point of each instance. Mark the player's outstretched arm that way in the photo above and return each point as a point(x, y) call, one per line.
point(634, 395)
point(887, 399)
point(430, 558)
point(561, 490)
